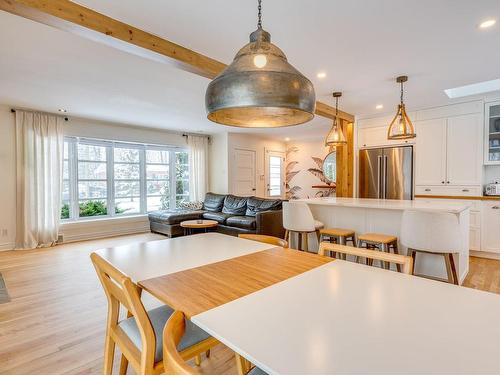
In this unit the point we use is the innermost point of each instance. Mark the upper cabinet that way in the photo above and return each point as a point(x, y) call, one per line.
point(449, 151)
point(492, 133)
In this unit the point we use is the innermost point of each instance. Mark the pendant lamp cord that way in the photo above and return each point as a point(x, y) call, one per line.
point(401, 92)
point(336, 107)
point(259, 7)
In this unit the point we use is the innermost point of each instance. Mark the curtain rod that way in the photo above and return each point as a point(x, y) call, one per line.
point(14, 111)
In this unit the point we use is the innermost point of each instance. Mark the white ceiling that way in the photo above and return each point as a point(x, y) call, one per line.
point(361, 45)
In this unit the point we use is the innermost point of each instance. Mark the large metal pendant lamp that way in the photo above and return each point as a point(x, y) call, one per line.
point(335, 136)
point(401, 126)
point(260, 89)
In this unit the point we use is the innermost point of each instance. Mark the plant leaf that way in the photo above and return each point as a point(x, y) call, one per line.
point(318, 173)
point(290, 166)
point(290, 175)
point(318, 161)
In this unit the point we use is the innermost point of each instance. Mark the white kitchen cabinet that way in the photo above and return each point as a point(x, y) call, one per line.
point(463, 150)
point(377, 137)
point(430, 153)
point(490, 224)
point(448, 151)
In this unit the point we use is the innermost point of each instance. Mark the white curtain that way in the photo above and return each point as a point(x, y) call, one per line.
point(198, 167)
point(39, 157)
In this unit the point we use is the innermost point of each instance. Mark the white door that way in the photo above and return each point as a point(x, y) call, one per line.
point(464, 150)
point(490, 240)
point(244, 173)
point(430, 155)
point(274, 174)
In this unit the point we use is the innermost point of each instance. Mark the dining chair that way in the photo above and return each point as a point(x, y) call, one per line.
point(265, 239)
point(435, 233)
point(173, 361)
point(139, 336)
point(298, 218)
point(404, 262)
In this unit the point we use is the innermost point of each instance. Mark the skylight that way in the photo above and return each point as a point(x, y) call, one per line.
point(474, 89)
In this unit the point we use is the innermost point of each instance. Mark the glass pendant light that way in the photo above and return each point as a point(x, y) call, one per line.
point(401, 126)
point(260, 89)
point(335, 136)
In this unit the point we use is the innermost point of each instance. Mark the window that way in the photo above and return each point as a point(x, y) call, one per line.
point(105, 178)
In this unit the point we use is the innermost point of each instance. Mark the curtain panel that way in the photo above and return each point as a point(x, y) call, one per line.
point(39, 158)
point(198, 167)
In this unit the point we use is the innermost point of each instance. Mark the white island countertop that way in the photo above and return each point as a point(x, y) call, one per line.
point(390, 204)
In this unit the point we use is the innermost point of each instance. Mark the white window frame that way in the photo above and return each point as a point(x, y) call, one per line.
point(74, 200)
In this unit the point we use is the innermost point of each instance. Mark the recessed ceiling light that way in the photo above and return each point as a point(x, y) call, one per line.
point(62, 110)
point(379, 106)
point(487, 23)
point(287, 139)
point(321, 75)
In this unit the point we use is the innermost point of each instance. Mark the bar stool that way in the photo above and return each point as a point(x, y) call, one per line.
point(378, 241)
point(339, 236)
point(298, 218)
point(435, 233)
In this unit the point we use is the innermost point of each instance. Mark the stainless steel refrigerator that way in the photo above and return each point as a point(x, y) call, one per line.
point(386, 173)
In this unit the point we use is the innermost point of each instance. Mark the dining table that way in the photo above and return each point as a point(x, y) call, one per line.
point(292, 312)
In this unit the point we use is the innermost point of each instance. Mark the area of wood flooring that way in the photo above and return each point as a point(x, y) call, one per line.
point(54, 323)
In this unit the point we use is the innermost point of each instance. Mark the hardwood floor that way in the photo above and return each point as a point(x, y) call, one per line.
point(55, 321)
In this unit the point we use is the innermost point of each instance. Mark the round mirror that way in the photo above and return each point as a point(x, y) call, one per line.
point(330, 166)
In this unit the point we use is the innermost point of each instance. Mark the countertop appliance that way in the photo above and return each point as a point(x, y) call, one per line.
point(386, 173)
point(492, 189)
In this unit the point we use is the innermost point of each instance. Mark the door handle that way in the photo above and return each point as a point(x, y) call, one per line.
point(428, 190)
point(495, 208)
point(254, 189)
point(385, 177)
point(465, 190)
point(379, 167)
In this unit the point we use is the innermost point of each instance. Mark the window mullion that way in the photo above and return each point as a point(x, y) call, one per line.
point(143, 185)
point(110, 171)
point(73, 179)
point(172, 182)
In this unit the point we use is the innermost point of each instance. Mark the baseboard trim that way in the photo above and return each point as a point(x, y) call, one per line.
point(7, 246)
point(67, 238)
point(484, 254)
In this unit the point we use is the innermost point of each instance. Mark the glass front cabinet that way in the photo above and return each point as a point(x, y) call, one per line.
point(492, 133)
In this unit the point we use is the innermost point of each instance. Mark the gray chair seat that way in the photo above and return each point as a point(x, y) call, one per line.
point(158, 318)
point(256, 371)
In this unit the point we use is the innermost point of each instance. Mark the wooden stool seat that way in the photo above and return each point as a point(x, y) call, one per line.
point(337, 232)
point(377, 238)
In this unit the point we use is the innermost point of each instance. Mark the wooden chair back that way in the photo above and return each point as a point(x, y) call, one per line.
point(173, 362)
point(120, 290)
point(404, 261)
point(265, 239)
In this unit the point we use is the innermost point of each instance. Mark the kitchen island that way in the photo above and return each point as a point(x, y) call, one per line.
point(384, 216)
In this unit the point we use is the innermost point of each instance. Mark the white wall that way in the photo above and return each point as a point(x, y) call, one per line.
point(218, 174)
point(302, 153)
point(74, 127)
point(259, 145)
point(7, 179)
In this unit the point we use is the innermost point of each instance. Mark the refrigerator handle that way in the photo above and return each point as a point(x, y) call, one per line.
point(385, 177)
point(379, 168)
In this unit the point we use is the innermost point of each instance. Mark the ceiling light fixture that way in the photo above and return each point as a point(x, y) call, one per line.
point(487, 23)
point(335, 136)
point(260, 89)
point(287, 139)
point(321, 75)
point(401, 126)
point(379, 106)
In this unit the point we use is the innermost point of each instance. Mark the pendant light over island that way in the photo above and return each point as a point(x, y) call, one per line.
point(335, 136)
point(401, 126)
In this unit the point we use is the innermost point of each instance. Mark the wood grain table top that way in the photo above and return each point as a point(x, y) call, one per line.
point(199, 223)
point(199, 289)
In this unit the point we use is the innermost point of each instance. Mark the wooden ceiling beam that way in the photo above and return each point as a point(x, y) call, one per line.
point(69, 16)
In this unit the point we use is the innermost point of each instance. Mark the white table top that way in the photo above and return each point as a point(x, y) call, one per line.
point(391, 204)
point(345, 318)
point(142, 261)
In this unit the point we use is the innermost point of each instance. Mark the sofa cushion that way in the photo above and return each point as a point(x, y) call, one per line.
point(217, 216)
point(255, 205)
point(174, 216)
point(244, 222)
point(235, 205)
point(213, 202)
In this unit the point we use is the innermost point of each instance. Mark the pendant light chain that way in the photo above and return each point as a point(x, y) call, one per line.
point(402, 92)
point(259, 7)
